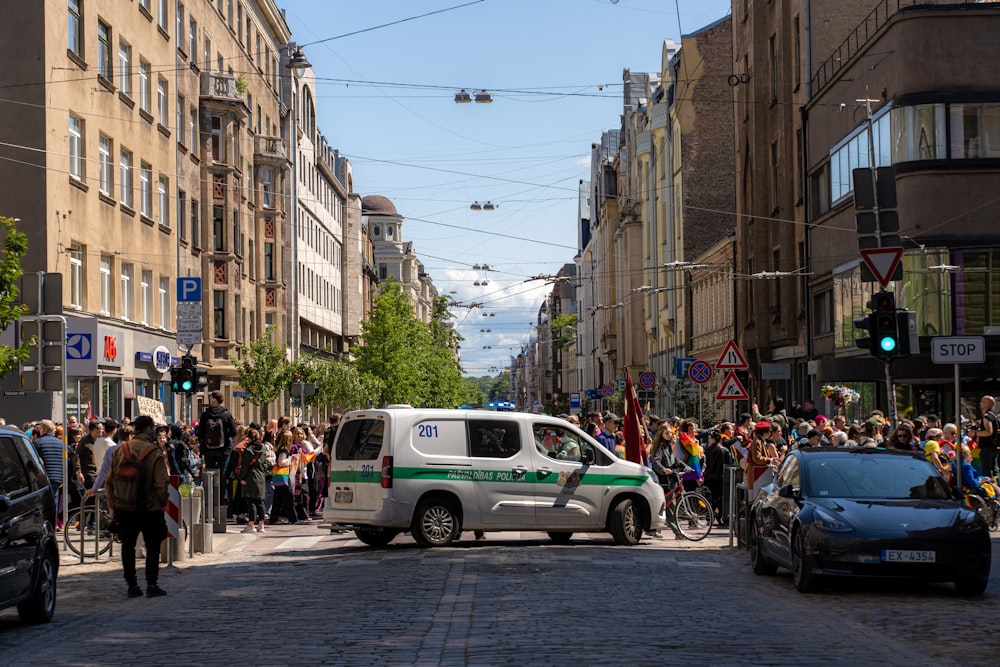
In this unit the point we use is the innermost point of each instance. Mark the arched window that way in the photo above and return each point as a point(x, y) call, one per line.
point(378, 231)
point(308, 112)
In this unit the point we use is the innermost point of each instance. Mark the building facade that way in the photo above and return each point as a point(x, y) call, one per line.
point(936, 122)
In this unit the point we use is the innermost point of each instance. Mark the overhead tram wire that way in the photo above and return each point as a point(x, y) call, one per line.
point(392, 23)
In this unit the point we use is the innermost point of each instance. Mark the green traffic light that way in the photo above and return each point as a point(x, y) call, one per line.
point(187, 385)
point(887, 343)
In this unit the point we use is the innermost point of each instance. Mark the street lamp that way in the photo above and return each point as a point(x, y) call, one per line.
point(476, 206)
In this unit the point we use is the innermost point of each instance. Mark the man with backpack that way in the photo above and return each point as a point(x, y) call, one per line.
point(137, 493)
point(987, 434)
point(216, 431)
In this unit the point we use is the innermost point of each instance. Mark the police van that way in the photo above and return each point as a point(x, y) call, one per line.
point(436, 473)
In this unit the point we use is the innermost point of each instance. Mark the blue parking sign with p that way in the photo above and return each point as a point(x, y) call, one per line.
point(189, 288)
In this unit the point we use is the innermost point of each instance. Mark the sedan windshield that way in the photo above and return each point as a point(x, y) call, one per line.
point(872, 476)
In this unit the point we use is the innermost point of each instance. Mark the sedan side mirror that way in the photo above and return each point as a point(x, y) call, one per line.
point(788, 491)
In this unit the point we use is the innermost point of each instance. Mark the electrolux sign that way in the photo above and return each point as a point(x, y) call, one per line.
point(82, 346)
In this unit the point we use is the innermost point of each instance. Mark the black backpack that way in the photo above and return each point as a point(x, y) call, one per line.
point(130, 481)
point(215, 433)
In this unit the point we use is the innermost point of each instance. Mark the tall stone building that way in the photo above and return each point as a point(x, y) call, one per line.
point(775, 47)
point(141, 143)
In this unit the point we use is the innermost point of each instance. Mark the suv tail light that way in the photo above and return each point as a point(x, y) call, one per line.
point(386, 472)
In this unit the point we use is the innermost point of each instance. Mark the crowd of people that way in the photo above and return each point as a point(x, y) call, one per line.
point(270, 474)
point(759, 441)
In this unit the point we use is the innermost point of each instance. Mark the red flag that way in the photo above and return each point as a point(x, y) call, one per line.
point(635, 446)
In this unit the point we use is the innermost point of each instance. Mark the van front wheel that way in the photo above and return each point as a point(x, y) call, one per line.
point(436, 523)
point(626, 524)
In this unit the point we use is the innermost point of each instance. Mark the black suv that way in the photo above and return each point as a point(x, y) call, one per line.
point(29, 556)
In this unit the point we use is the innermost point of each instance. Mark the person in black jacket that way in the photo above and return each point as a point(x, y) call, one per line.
point(216, 454)
point(717, 457)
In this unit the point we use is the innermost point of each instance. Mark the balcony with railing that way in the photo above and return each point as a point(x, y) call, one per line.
point(220, 87)
point(269, 149)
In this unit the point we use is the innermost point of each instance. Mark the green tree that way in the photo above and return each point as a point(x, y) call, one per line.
point(262, 371)
point(339, 385)
point(395, 343)
point(500, 387)
point(15, 245)
point(564, 329)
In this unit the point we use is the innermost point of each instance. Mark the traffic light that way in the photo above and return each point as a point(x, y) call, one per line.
point(202, 378)
point(184, 378)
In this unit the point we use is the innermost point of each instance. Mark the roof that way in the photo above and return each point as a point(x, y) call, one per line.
point(377, 205)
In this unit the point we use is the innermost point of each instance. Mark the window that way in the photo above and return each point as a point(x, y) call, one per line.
point(162, 191)
point(14, 481)
point(208, 53)
point(216, 139)
point(918, 133)
point(266, 188)
point(125, 176)
point(822, 313)
point(76, 153)
point(218, 229)
point(195, 224)
point(797, 64)
point(105, 165)
point(104, 66)
point(162, 14)
point(164, 304)
point(105, 285)
point(124, 74)
point(494, 439)
point(179, 122)
point(772, 54)
point(361, 440)
point(193, 41)
point(251, 248)
point(182, 214)
point(146, 289)
point(162, 102)
point(193, 130)
point(775, 185)
point(144, 4)
point(180, 26)
point(126, 291)
point(239, 23)
point(975, 130)
point(219, 313)
point(145, 190)
point(144, 92)
point(76, 275)
point(74, 41)
point(269, 260)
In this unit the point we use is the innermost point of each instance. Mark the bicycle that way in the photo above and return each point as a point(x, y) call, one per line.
point(689, 514)
point(96, 528)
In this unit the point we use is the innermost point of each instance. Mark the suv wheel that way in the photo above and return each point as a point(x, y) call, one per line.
point(40, 607)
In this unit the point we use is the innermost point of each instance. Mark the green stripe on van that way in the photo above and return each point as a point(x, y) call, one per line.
point(476, 475)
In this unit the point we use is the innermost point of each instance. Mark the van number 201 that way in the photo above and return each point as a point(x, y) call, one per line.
point(427, 431)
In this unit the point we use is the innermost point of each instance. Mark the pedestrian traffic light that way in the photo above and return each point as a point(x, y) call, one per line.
point(184, 378)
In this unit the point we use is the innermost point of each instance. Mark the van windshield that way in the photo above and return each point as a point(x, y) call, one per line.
point(360, 440)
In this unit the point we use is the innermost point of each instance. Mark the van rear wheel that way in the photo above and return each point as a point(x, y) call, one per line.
point(375, 537)
point(436, 523)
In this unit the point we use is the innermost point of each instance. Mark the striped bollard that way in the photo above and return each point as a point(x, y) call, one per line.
point(173, 511)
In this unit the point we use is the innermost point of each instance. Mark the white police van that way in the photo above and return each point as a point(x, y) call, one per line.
point(436, 473)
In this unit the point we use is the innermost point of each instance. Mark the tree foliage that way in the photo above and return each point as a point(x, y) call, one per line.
point(406, 360)
point(564, 329)
point(262, 371)
point(339, 385)
point(15, 245)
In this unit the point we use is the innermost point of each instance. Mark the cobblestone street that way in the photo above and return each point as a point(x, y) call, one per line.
point(297, 595)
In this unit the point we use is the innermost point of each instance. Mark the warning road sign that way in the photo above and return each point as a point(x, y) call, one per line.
point(731, 358)
point(732, 389)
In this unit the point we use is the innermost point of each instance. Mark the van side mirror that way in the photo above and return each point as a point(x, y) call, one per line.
point(587, 456)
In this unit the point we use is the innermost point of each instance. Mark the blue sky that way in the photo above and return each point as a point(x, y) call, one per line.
point(385, 100)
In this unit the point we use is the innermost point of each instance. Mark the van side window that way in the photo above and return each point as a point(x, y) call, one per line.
point(493, 439)
point(360, 440)
point(13, 478)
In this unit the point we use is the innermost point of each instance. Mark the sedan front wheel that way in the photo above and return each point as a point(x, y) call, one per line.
point(805, 580)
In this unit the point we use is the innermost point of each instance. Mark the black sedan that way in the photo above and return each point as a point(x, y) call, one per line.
point(865, 512)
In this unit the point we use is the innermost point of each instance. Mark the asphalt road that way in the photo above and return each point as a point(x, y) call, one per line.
point(297, 595)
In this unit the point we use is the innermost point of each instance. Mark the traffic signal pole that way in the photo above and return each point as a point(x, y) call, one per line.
point(890, 394)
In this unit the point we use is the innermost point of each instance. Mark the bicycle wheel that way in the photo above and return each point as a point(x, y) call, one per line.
point(693, 516)
point(92, 527)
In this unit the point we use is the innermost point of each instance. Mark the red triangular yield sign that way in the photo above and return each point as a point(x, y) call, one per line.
point(732, 389)
point(882, 262)
point(731, 358)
